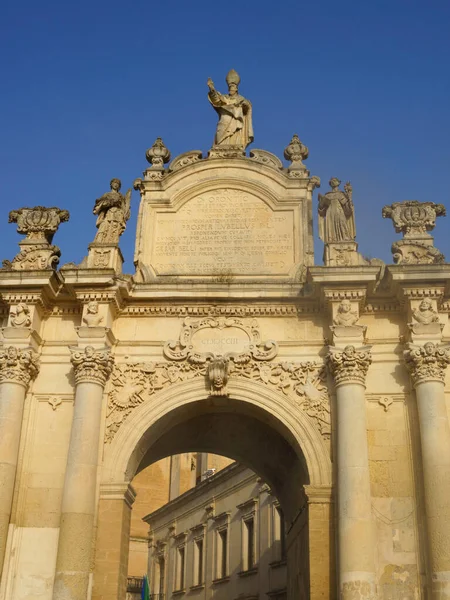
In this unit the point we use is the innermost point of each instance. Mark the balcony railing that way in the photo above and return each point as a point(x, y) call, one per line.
point(135, 585)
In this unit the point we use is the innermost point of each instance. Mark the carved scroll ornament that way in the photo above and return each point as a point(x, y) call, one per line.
point(427, 362)
point(18, 365)
point(132, 384)
point(349, 365)
point(91, 365)
point(36, 250)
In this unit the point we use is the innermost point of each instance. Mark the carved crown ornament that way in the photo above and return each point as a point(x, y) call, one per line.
point(18, 365)
point(91, 365)
point(218, 350)
point(349, 365)
point(414, 219)
point(427, 362)
point(36, 250)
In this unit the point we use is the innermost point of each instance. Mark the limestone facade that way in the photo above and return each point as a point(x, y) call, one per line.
point(222, 539)
point(329, 381)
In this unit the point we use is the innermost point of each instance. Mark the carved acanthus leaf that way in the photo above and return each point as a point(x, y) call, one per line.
point(91, 365)
point(349, 365)
point(427, 362)
point(18, 365)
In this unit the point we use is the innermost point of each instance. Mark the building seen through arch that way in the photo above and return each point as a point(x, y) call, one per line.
point(326, 376)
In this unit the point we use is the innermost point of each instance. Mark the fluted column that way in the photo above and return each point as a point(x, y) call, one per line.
point(356, 535)
point(92, 368)
point(17, 368)
point(427, 365)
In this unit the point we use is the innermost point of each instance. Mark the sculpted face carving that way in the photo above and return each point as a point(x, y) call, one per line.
point(425, 314)
point(92, 318)
point(20, 317)
point(349, 365)
point(345, 316)
point(18, 366)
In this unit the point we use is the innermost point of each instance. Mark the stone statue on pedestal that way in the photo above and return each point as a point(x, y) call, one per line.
point(336, 214)
point(235, 114)
point(113, 210)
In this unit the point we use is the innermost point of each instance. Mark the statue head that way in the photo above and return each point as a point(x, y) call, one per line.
point(233, 81)
point(345, 306)
point(334, 183)
point(425, 305)
point(429, 348)
point(115, 184)
point(92, 307)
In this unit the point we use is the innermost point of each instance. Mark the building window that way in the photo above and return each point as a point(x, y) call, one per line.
point(222, 553)
point(198, 561)
point(248, 544)
point(160, 575)
point(279, 534)
point(180, 567)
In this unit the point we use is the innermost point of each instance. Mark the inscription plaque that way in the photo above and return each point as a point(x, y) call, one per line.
point(220, 341)
point(224, 232)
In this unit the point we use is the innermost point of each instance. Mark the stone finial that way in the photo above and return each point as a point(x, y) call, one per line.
point(349, 365)
point(414, 219)
point(36, 250)
point(91, 365)
point(427, 362)
point(18, 365)
point(296, 152)
point(158, 155)
point(217, 376)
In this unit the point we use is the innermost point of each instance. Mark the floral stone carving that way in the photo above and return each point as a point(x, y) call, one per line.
point(132, 384)
point(414, 219)
point(349, 365)
point(427, 362)
point(36, 250)
point(18, 365)
point(91, 365)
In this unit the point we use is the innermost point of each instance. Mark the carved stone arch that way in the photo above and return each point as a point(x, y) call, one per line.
point(124, 454)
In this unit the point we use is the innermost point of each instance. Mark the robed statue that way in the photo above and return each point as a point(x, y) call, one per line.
point(113, 212)
point(336, 214)
point(235, 114)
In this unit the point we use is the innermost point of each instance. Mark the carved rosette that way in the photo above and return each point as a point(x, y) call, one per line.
point(427, 362)
point(349, 365)
point(91, 365)
point(18, 365)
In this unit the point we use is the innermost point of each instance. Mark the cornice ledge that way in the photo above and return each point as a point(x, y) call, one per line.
point(358, 275)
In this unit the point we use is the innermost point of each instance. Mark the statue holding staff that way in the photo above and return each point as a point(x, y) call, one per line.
point(235, 114)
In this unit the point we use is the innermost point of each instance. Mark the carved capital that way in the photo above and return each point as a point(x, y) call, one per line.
point(427, 362)
point(91, 365)
point(18, 365)
point(349, 365)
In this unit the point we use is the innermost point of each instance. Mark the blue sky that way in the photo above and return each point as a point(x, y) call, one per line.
point(88, 86)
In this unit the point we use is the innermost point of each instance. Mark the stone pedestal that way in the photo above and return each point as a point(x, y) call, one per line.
point(427, 366)
point(356, 534)
point(92, 368)
point(17, 368)
point(115, 504)
point(341, 254)
point(104, 256)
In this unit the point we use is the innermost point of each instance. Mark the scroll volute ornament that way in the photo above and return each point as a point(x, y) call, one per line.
point(36, 250)
point(18, 365)
point(91, 365)
point(349, 365)
point(427, 362)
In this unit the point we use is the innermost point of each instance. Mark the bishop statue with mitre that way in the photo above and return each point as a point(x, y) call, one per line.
point(235, 114)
